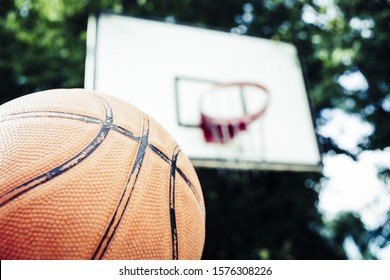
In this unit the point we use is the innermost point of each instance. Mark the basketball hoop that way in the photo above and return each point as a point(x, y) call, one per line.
point(222, 128)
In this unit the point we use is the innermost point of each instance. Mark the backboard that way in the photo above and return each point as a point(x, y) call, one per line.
point(180, 74)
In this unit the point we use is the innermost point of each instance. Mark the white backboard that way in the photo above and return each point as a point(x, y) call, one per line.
point(164, 69)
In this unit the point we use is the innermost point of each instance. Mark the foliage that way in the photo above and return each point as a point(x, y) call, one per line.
point(257, 215)
point(266, 215)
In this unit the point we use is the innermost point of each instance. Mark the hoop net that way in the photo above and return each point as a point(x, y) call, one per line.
point(227, 114)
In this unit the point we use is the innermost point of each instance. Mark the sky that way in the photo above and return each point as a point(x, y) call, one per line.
point(354, 185)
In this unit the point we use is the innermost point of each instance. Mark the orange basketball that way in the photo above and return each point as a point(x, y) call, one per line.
point(87, 176)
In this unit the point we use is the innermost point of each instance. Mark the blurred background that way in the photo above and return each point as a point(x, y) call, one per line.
point(341, 213)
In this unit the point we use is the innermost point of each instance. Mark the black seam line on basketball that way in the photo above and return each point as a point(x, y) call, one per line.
point(181, 173)
point(85, 119)
point(189, 184)
point(172, 211)
point(71, 116)
point(159, 153)
point(51, 114)
point(69, 164)
point(126, 132)
point(163, 156)
point(137, 164)
point(107, 237)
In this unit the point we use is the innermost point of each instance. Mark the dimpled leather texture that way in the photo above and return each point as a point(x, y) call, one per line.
point(87, 176)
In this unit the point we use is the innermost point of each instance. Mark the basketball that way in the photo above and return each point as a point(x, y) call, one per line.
point(87, 176)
